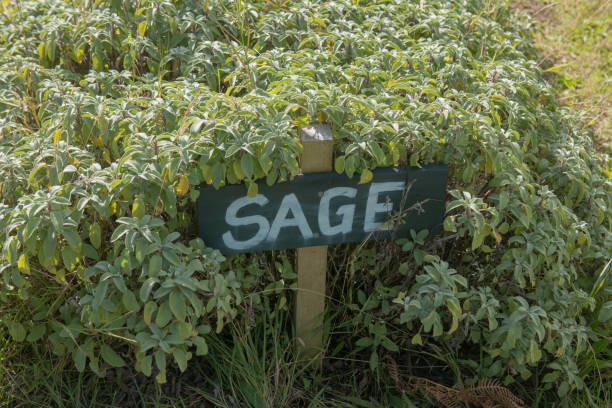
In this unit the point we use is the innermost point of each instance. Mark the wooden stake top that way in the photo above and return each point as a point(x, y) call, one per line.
point(317, 154)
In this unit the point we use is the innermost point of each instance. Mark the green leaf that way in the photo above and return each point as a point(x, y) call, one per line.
point(146, 288)
point(414, 160)
point(17, 331)
point(478, 238)
point(129, 301)
point(69, 256)
point(432, 320)
point(37, 332)
point(111, 357)
point(364, 342)
point(504, 198)
point(514, 333)
point(140, 250)
point(149, 309)
point(72, 238)
point(201, 346)
point(155, 265)
point(551, 377)
point(246, 164)
point(178, 306)
point(146, 365)
point(90, 252)
point(377, 152)
point(217, 174)
point(449, 224)
point(373, 360)
point(184, 329)
point(563, 389)
point(94, 366)
point(79, 359)
point(160, 360)
point(605, 313)
point(49, 245)
point(181, 357)
point(163, 315)
point(389, 345)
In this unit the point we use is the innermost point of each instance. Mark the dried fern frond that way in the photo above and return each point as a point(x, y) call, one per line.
point(490, 390)
point(488, 393)
point(441, 393)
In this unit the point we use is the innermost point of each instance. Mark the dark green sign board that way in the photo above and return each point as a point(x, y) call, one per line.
point(322, 209)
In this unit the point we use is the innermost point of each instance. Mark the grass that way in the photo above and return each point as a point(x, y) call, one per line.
point(254, 365)
point(574, 38)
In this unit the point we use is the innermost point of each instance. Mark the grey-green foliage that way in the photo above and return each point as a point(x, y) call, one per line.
point(111, 111)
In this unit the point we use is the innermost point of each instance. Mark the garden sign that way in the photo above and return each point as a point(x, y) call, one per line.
point(321, 208)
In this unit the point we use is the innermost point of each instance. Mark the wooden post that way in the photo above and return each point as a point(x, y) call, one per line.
point(318, 143)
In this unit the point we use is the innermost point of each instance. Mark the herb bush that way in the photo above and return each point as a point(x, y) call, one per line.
point(112, 111)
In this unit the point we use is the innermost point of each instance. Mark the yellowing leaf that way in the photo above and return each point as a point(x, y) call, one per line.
point(69, 257)
point(253, 189)
point(106, 156)
point(95, 235)
point(138, 208)
point(339, 164)
point(79, 55)
point(366, 176)
point(41, 50)
point(56, 137)
point(183, 185)
point(60, 276)
point(237, 167)
point(498, 237)
point(142, 29)
point(161, 377)
point(534, 353)
point(23, 264)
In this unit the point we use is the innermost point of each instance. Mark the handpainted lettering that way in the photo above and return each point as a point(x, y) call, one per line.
point(374, 207)
point(290, 203)
point(347, 211)
point(231, 218)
